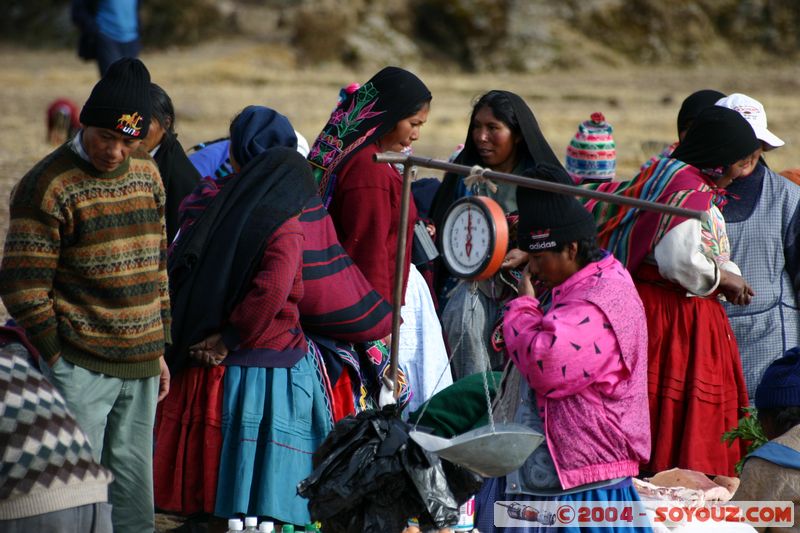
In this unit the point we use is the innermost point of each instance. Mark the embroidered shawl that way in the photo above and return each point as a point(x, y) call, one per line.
point(631, 233)
point(363, 117)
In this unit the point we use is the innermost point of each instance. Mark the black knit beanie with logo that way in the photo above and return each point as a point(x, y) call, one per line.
point(120, 101)
point(547, 220)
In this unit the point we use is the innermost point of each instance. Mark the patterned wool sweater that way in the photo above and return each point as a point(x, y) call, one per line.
point(46, 462)
point(84, 265)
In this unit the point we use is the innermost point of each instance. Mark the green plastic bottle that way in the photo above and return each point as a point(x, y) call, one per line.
point(287, 528)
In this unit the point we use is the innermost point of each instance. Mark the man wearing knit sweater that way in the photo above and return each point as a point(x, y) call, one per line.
point(84, 272)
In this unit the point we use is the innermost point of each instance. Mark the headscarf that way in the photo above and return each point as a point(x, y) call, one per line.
point(717, 138)
point(364, 115)
point(257, 128)
point(253, 131)
point(538, 153)
point(693, 104)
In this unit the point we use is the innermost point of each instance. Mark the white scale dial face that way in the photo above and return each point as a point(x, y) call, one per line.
point(467, 239)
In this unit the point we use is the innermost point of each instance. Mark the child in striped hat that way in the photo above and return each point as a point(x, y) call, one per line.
point(592, 154)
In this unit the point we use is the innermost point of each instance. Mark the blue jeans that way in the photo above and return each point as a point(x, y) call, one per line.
point(109, 50)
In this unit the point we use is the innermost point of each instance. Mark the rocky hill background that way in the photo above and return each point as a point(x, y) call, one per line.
point(467, 35)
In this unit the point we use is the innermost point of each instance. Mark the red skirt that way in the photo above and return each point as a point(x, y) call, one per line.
point(188, 441)
point(695, 383)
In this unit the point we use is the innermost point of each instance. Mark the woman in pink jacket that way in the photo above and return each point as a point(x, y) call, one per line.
point(584, 364)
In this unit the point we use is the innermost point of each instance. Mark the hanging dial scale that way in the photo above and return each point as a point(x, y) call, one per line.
point(474, 237)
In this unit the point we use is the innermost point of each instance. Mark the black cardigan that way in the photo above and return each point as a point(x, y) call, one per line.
point(212, 263)
point(179, 177)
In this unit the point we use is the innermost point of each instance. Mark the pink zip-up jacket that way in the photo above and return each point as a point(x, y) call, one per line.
point(586, 359)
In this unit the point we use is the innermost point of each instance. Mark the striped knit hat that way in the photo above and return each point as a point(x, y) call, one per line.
point(592, 154)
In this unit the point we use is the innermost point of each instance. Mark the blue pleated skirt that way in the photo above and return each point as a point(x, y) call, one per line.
point(273, 419)
point(494, 489)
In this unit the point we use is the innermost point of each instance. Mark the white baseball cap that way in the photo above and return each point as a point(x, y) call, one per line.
point(753, 111)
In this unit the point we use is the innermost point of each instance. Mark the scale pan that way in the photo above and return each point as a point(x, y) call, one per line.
point(483, 451)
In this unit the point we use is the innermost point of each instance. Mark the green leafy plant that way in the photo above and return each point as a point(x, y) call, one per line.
point(748, 430)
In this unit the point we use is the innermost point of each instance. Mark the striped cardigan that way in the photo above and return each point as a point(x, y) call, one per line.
point(84, 265)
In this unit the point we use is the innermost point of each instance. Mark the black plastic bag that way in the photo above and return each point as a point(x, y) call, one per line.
point(370, 477)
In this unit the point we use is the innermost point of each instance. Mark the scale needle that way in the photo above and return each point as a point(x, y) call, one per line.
point(468, 245)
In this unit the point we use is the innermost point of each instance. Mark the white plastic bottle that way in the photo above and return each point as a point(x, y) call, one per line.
point(466, 516)
point(234, 525)
point(266, 527)
point(251, 523)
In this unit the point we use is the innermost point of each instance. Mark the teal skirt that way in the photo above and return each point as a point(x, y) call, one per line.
point(273, 419)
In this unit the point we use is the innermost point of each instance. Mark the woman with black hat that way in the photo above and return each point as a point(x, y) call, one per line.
point(363, 198)
point(583, 360)
point(502, 135)
point(681, 266)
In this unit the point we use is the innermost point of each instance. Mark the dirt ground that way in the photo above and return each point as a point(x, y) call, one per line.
point(210, 83)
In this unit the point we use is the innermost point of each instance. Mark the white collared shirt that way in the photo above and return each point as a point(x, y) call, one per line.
point(77, 146)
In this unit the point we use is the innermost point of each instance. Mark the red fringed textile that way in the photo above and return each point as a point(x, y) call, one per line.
point(342, 401)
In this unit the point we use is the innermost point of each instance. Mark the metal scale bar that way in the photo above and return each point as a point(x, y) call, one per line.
point(409, 161)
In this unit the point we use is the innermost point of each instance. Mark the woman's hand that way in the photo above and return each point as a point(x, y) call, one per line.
point(735, 288)
point(515, 258)
point(211, 351)
point(525, 285)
